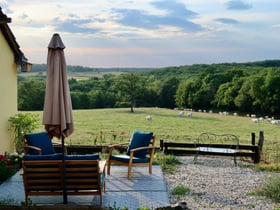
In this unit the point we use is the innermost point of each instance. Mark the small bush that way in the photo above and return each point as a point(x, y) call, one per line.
point(9, 165)
point(6, 170)
point(167, 162)
point(180, 190)
point(274, 167)
point(270, 188)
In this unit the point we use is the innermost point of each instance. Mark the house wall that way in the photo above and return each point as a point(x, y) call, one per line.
point(8, 94)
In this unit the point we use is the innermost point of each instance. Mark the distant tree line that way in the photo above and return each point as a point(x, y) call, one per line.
point(238, 87)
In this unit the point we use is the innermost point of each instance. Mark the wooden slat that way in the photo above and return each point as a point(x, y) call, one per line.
point(45, 177)
point(83, 187)
point(45, 187)
point(85, 180)
point(81, 175)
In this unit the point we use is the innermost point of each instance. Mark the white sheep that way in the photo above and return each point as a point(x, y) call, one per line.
point(149, 118)
point(189, 114)
point(275, 122)
point(181, 113)
point(255, 120)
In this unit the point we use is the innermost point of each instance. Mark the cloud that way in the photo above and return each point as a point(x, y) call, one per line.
point(174, 8)
point(176, 15)
point(139, 19)
point(24, 16)
point(74, 25)
point(227, 20)
point(237, 5)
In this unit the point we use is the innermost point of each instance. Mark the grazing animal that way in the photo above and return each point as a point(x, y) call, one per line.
point(149, 118)
point(275, 122)
point(181, 113)
point(255, 120)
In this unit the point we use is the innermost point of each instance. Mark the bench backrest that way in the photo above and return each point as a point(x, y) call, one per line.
point(212, 139)
point(48, 175)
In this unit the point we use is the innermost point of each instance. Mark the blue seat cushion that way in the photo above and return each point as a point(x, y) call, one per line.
point(82, 157)
point(139, 139)
point(40, 140)
point(56, 156)
point(125, 159)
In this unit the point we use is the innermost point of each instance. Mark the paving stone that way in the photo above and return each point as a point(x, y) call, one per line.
point(141, 189)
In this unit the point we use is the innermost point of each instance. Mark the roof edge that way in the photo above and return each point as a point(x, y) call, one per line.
point(9, 36)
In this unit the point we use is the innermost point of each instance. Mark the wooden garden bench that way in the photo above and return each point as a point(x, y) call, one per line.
point(45, 177)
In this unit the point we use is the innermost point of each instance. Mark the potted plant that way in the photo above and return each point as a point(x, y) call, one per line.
point(21, 124)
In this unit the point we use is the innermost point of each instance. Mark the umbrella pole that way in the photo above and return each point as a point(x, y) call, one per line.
point(63, 173)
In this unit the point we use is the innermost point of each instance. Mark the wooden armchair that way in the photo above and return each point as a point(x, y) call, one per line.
point(39, 144)
point(140, 152)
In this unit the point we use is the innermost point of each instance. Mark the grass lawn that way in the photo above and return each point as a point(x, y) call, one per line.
point(166, 124)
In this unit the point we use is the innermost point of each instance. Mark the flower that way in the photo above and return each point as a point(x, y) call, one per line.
point(9, 164)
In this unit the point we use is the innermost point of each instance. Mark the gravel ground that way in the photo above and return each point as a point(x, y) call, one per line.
point(216, 183)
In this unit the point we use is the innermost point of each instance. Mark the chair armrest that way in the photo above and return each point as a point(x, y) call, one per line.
point(116, 145)
point(113, 146)
point(37, 149)
point(102, 164)
point(56, 143)
point(151, 148)
point(142, 148)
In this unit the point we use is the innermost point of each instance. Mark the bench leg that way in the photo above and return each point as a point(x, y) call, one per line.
point(195, 158)
point(26, 200)
point(234, 159)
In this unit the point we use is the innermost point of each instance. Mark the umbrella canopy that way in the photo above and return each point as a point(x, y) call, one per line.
point(57, 115)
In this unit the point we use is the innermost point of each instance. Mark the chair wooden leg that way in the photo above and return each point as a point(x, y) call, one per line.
point(109, 167)
point(150, 168)
point(129, 172)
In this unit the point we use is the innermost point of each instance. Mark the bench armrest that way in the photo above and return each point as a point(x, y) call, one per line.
point(102, 164)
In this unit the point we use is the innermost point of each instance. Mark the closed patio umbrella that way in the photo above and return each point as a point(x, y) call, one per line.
point(57, 115)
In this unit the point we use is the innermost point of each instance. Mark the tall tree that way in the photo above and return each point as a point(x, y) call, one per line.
point(130, 86)
point(168, 92)
point(31, 95)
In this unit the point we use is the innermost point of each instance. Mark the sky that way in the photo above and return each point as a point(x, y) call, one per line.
point(147, 33)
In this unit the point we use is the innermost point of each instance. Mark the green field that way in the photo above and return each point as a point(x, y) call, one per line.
point(166, 124)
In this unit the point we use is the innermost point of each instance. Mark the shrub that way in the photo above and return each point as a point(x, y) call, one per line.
point(9, 165)
point(167, 162)
point(15, 160)
point(6, 170)
point(270, 188)
point(21, 124)
point(180, 190)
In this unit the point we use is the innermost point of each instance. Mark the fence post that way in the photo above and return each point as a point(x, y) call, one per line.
point(161, 144)
point(253, 135)
point(260, 146)
point(261, 140)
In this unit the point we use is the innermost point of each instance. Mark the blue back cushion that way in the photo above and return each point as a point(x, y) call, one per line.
point(139, 139)
point(40, 140)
